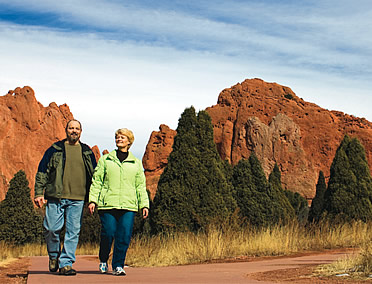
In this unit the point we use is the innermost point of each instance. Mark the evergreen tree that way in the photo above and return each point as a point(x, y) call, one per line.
point(172, 207)
point(259, 180)
point(317, 205)
point(275, 178)
point(296, 201)
point(216, 194)
point(260, 203)
point(299, 204)
point(19, 221)
point(283, 210)
point(193, 190)
point(251, 203)
point(142, 226)
point(349, 192)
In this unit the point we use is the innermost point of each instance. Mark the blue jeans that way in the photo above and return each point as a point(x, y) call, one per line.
point(57, 210)
point(115, 224)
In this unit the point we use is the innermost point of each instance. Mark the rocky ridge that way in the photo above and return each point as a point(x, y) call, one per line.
point(269, 119)
point(27, 129)
point(156, 156)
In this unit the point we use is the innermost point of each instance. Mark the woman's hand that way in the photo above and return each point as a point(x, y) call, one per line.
point(91, 207)
point(145, 212)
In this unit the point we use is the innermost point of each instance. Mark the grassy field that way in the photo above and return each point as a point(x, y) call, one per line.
point(186, 248)
point(227, 243)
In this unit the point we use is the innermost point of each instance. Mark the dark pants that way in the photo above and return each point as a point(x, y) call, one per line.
point(115, 224)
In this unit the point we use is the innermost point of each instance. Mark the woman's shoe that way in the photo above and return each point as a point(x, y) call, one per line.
point(103, 267)
point(119, 271)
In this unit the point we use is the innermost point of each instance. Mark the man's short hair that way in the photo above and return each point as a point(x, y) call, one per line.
point(126, 132)
point(71, 121)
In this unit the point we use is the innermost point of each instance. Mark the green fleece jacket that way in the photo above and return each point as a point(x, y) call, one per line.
point(117, 185)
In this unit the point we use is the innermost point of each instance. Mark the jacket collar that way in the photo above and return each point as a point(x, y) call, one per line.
point(130, 158)
point(60, 145)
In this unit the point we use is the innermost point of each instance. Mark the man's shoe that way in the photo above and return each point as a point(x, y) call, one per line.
point(53, 264)
point(67, 270)
point(103, 267)
point(119, 271)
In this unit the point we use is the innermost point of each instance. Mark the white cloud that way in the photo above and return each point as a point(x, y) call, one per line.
point(150, 64)
point(109, 83)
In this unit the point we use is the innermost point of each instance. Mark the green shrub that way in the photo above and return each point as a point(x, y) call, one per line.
point(260, 203)
point(20, 223)
point(193, 190)
point(299, 204)
point(317, 205)
point(288, 96)
point(349, 193)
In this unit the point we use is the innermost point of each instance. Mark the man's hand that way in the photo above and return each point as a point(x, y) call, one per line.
point(91, 207)
point(39, 201)
point(145, 212)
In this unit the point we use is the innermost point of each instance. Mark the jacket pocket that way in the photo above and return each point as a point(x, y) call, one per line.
point(50, 190)
point(102, 196)
point(112, 199)
point(130, 198)
point(55, 160)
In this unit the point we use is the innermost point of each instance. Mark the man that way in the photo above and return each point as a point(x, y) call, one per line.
point(63, 180)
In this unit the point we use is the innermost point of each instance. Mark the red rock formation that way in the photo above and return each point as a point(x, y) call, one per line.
point(280, 127)
point(156, 156)
point(96, 152)
point(27, 129)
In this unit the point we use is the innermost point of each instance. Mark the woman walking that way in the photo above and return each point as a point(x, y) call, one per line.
point(118, 190)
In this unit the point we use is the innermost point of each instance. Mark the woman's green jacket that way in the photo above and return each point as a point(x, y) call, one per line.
point(119, 185)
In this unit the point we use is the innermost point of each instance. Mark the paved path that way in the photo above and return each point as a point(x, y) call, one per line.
point(87, 267)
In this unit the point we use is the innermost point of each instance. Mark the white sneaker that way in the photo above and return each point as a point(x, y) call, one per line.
point(119, 271)
point(103, 267)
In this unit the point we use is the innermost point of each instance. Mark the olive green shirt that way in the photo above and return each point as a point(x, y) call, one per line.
point(74, 177)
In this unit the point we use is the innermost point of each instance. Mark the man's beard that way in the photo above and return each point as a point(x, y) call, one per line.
point(73, 138)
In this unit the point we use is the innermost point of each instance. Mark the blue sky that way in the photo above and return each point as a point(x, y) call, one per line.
point(138, 64)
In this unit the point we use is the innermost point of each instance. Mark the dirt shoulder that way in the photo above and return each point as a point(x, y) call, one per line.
point(302, 275)
point(15, 272)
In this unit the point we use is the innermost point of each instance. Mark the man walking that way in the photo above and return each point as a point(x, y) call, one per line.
point(63, 179)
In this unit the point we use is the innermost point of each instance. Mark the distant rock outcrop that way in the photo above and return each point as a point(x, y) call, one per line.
point(96, 152)
point(156, 156)
point(278, 126)
point(27, 129)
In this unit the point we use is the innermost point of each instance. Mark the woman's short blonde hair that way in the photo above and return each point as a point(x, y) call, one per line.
point(126, 132)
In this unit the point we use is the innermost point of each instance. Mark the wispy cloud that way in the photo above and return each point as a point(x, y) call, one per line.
point(312, 34)
point(149, 60)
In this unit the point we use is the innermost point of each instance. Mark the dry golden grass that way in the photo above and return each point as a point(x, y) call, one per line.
point(9, 252)
point(357, 266)
point(87, 249)
point(185, 248)
point(223, 243)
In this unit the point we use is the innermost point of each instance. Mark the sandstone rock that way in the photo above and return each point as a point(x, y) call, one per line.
point(96, 152)
point(278, 141)
point(280, 127)
point(156, 156)
point(27, 129)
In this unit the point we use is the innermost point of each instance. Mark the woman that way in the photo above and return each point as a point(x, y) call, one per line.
point(118, 190)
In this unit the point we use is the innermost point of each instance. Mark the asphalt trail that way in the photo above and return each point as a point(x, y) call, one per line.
point(238, 272)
